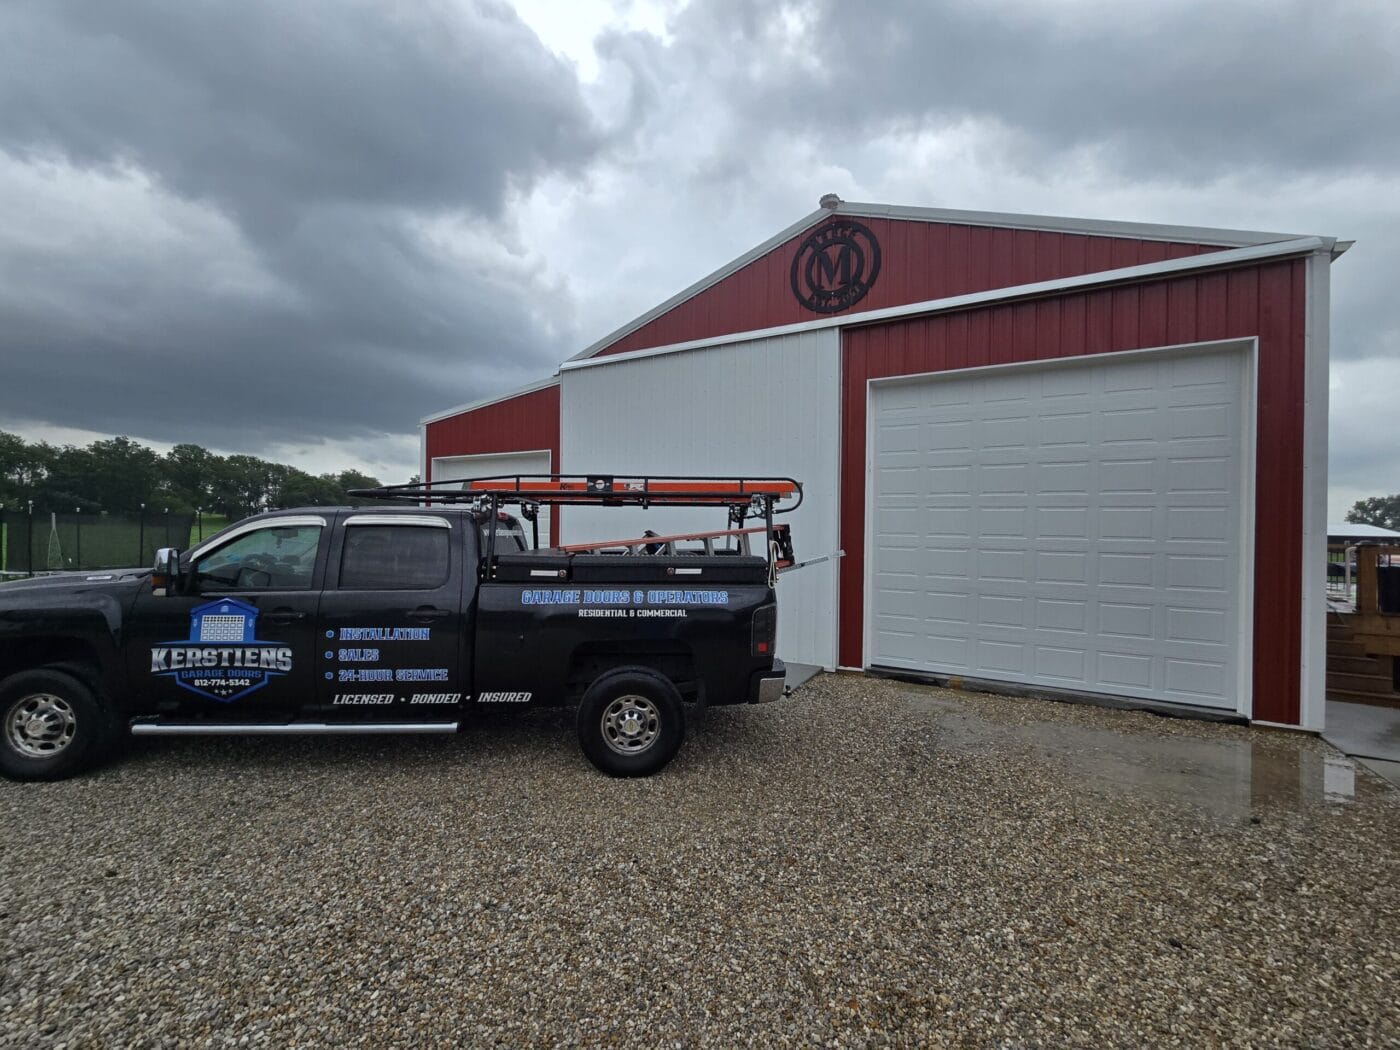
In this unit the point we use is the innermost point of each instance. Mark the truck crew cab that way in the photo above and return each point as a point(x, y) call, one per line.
point(407, 619)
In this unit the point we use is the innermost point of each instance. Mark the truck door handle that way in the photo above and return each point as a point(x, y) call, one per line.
point(285, 616)
point(428, 613)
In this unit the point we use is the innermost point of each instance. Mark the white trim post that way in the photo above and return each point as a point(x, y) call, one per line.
point(1312, 684)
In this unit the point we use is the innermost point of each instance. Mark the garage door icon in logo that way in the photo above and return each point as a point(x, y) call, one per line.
point(223, 659)
point(835, 266)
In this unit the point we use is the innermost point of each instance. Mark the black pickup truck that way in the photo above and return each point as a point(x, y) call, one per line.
point(405, 619)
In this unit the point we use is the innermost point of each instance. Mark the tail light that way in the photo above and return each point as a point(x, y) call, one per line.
point(765, 630)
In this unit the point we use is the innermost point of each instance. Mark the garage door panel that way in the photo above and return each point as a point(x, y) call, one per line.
point(1062, 615)
point(996, 656)
point(1206, 474)
point(1001, 610)
point(1129, 524)
point(1061, 523)
point(1090, 516)
point(1066, 429)
point(1011, 478)
point(948, 563)
point(949, 606)
point(1197, 681)
point(1119, 620)
point(1126, 671)
point(1061, 567)
point(1066, 665)
point(1132, 476)
point(1064, 477)
point(1002, 566)
point(1129, 426)
point(1198, 572)
point(1125, 570)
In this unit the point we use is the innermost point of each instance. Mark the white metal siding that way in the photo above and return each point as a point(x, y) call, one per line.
point(1077, 526)
point(769, 406)
point(490, 464)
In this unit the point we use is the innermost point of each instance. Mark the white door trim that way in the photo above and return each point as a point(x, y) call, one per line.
point(1244, 703)
point(1312, 685)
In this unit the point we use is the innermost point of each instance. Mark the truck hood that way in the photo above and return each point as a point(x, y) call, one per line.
point(75, 583)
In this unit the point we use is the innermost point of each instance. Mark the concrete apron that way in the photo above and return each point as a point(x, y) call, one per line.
point(1369, 734)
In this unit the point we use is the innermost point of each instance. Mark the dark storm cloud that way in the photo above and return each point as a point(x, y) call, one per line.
point(1185, 90)
point(359, 157)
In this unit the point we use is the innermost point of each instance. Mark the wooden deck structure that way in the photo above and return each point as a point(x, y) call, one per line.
point(1363, 638)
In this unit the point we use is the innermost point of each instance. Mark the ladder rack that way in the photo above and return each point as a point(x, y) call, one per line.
point(743, 498)
point(613, 490)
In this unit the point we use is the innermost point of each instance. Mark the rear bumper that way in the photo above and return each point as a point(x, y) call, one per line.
point(767, 686)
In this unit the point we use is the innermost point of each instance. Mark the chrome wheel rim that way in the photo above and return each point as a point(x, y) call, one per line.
point(631, 724)
point(41, 725)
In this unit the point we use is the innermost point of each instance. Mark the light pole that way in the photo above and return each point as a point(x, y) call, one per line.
point(141, 537)
point(78, 525)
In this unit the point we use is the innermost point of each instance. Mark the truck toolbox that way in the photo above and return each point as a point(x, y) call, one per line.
point(674, 569)
point(532, 566)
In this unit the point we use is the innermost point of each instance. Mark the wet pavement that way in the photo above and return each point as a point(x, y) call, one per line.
point(1231, 777)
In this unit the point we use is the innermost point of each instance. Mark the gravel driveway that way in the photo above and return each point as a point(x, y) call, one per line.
point(867, 863)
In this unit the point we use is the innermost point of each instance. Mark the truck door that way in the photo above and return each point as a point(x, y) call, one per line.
point(391, 621)
point(238, 644)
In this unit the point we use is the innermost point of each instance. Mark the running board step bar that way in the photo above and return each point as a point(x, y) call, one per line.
point(287, 728)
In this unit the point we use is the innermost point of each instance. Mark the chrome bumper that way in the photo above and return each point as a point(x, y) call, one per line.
point(768, 686)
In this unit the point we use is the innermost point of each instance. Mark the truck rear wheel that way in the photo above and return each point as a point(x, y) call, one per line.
point(631, 722)
point(51, 725)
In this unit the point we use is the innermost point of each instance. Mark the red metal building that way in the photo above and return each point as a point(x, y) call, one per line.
point(1064, 454)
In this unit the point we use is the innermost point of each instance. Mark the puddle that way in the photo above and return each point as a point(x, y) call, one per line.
point(1228, 777)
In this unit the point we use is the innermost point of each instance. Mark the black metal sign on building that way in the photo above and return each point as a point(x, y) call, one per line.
point(835, 266)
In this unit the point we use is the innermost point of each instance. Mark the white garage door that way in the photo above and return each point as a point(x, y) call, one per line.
point(1076, 526)
point(487, 466)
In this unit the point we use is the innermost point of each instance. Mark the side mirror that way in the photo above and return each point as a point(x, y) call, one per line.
point(165, 575)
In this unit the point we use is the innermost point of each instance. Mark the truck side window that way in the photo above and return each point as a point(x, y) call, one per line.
point(394, 558)
point(272, 558)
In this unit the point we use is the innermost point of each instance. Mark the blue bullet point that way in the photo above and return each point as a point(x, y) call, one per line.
point(329, 676)
point(330, 634)
point(330, 655)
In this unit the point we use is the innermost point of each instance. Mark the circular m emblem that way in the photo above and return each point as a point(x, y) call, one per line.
point(835, 266)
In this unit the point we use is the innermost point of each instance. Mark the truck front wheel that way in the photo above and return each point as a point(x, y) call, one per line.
point(51, 725)
point(631, 722)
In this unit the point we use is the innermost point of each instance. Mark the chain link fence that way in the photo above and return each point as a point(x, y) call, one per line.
point(48, 542)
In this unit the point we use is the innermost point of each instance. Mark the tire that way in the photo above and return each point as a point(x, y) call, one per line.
point(631, 722)
point(51, 725)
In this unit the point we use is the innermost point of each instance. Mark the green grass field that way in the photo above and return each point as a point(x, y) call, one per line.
point(102, 542)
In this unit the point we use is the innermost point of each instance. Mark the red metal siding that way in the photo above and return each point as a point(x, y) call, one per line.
point(920, 261)
point(518, 424)
point(1267, 301)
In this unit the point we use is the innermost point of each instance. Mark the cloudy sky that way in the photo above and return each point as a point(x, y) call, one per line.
point(292, 229)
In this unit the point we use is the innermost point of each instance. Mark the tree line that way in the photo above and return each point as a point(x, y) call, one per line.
point(118, 475)
point(1383, 511)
